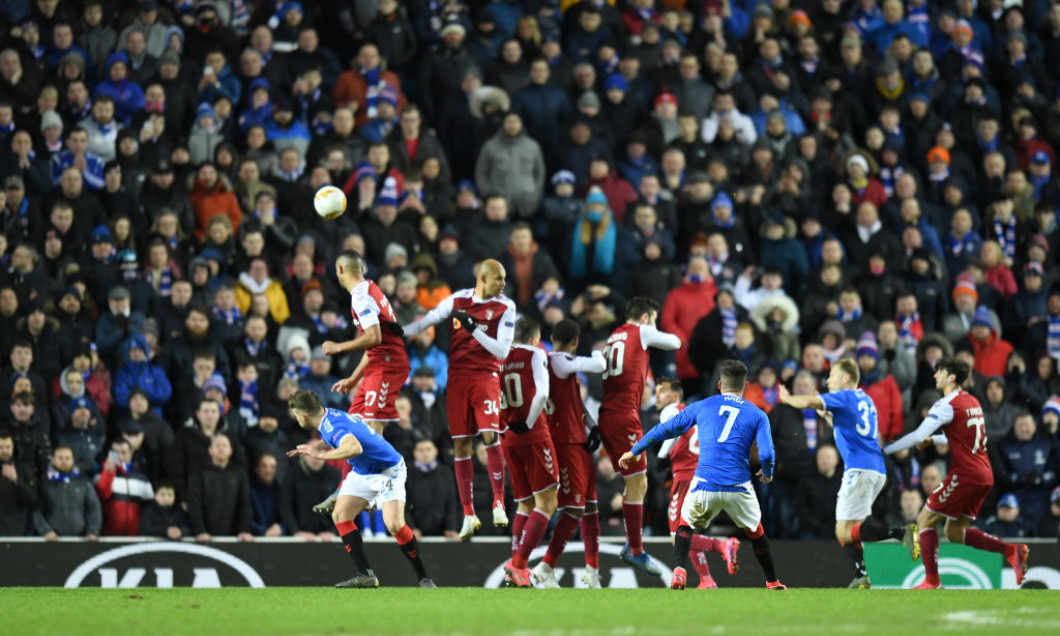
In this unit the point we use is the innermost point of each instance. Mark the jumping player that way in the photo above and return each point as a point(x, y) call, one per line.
point(483, 321)
point(384, 367)
point(727, 425)
point(574, 454)
point(853, 416)
point(960, 496)
point(683, 453)
point(620, 428)
point(377, 475)
point(527, 445)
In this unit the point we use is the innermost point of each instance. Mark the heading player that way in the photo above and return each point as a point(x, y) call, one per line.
point(683, 455)
point(385, 365)
point(574, 455)
point(852, 414)
point(377, 475)
point(627, 369)
point(483, 322)
point(960, 496)
point(727, 425)
point(527, 445)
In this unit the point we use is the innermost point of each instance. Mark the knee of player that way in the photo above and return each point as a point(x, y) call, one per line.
point(546, 501)
point(394, 526)
point(339, 515)
point(842, 535)
point(526, 506)
point(576, 513)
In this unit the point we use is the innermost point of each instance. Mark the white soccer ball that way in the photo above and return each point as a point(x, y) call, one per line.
point(330, 202)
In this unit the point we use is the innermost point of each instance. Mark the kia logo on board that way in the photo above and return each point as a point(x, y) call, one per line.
point(164, 565)
point(613, 572)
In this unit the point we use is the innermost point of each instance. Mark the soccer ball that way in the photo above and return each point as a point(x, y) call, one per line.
point(329, 202)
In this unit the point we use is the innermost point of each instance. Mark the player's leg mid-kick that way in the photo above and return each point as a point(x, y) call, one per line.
point(959, 530)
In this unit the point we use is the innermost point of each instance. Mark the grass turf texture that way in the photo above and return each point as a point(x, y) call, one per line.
point(509, 612)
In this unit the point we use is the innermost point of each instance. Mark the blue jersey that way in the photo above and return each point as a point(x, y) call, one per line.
point(856, 429)
point(376, 453)
point(727, 426)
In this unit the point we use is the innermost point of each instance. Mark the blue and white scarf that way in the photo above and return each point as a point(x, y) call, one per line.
point(1052, 343)
point(248, 402)
point(809, 422)
point(1006, 236)
point(57, 477)
point(728, 326)
point(165, 281)
point(254, 348)
point(229, 317)
point(849, 316)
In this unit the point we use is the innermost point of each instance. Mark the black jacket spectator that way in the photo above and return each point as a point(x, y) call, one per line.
point(304, 488)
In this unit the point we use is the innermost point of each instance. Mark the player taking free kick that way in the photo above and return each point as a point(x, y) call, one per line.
point(683, 454)
point(620, 428)
point(574, 454)
point(377, 476)
point(527, 446)
point(482, 327)
point(853, 416)
point(727, 425)
point(960, 496)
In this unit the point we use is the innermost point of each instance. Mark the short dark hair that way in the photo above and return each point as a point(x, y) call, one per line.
point(305, 401)
point(957, 368)
point(641, 305)
point(673, 383)
point(162, 485)
point(566, 331)
point(351, 260)
point(25, 398)
point(733, 375)
point(525, 329)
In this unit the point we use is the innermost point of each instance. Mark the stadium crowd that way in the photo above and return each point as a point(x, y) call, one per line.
point(794, 181)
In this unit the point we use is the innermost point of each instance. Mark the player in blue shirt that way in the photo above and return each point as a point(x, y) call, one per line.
point(727, 426)
point(377, 477)
point(852, 414)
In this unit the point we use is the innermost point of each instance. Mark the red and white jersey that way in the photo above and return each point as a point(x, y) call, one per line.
point(480, 354)
point(568, 409)
point(961, 418)
point(627, 364)
point(369, 306)
point(682, 451)
point(524, 395)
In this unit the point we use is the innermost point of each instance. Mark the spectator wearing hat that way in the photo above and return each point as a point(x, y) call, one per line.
point(383, 228)
point(83, 431)
point(881, 387)
point(1009, 522)
point(637, 162)
point(1029, 305)
point(454, 264)
point(128, 95)
point(138, 372)
point(511, 164)
point(957, 325)
point(161, 192)
point(360, 87)
point(430, 289)
point(991, 352)
point(206, 134)
point(284, 129)
point(545, 109)
point(75, 321)
point(593, 241)
point(1029, 466)
point(1049, 526)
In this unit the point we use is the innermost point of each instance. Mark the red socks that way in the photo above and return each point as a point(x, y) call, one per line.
point(633, 515)
point(464, 474)
point(699, 562)
point(561, 534)
point(518, 523)
point(855, 534)
point(976, 538)
point(703, 543)
point(404, 535)
point(535, 529)
point(929, 552)
point(591, 537)
point(495, 463)
point(345, 527)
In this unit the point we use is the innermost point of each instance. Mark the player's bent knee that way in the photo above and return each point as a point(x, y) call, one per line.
point(954, 532)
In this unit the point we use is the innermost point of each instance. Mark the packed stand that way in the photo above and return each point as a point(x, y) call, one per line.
point(794, 181)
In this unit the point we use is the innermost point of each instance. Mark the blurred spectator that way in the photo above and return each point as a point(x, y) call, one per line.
point(68, 506)
point(685, 306)
point(18, 489)
point(1049, 526)
point(219, 496)
point(816, 495)
point(265, 498)
point(1008, 522)
point(123, 490)
point(511, 164)
point(162, 518)
point(309, 482)
point(1029, 466)
point(910, 505)
point(433, 507)
point(138, 373)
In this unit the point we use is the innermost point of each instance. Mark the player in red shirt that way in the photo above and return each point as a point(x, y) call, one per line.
point(574, 454)
point(683, 453)
point(483, 323)
point(384, 367)
point(620, 428)
point(527, 444)
point(960, 496)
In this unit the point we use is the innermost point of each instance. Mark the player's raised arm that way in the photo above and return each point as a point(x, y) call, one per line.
point(567, 365)
point(941, 413)
point(433, 317)
point(652, 337)
point(800, 401)
point(539, 366)
point(502, 344)
point(674, 427)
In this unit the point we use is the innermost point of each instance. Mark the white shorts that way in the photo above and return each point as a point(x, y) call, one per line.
point(378, 489)
point(702, 506)
point(859, 490)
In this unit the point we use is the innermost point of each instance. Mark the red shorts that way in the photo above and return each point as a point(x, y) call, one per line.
point(577, 476)
point(378, 393)
point(473, 404)
point(677, 501)
point(954, 499)
point(619, 431)
point(532, 468)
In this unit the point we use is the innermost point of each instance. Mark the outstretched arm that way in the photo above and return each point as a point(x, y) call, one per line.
point(652, 337)
point(800, 401)
point(433, 317)
point(674, 427)
point(566, 365)
point(940, 414)
point(348, 447)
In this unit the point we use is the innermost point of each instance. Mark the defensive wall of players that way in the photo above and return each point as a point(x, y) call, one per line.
point(292, 562)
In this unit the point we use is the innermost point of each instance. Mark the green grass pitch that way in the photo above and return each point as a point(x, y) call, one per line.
point(509, 612)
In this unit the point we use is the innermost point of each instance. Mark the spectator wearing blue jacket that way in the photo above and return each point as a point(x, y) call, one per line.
point(424, 353)
point(284, 130)
point(77, 152)
point(138, 373)
point(218, 80)
point(62, 39)
point(259, 108)
point(544, 107)
point(1028, 466)
point(128, 95)
point(894, 24)
point(265, 498)
point(912, 216)
point(637, 162)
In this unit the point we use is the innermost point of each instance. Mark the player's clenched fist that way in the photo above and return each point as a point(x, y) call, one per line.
point(626, 459)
